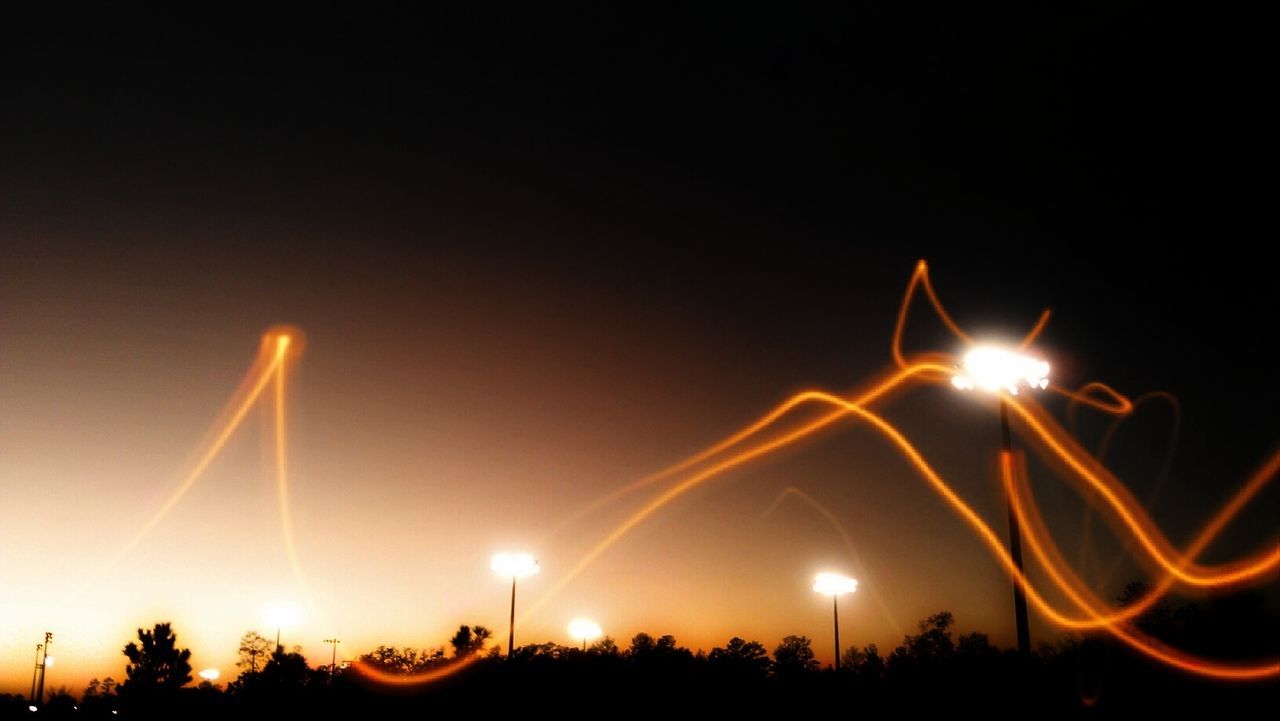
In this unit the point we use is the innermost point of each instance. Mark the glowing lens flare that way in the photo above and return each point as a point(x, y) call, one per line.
point(581, 629)
point(514, 565)
point(834, 584)
point(994, 369)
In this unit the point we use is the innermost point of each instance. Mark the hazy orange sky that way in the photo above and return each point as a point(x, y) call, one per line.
point(531, 269)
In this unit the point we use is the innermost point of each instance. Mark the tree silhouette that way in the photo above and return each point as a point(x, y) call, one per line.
point(405, 660)
point(606, 646)
point(794, 657)
point(254, 651)
point(866, 664)
point(641, 645)
point(469, 640)
point(928, 648)
point(156, 664)
point(740, 658)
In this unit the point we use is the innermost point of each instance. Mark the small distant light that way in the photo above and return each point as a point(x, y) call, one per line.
point(32, 709)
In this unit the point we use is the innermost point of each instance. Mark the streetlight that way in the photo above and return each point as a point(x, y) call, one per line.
point(584, 629)
point(835, 586)
point(514, 566)
point(999, 371)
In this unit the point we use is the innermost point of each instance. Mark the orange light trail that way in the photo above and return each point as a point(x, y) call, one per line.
point(1122, 503)
point(272, 357)
point(1051, 560)
point(282, 475)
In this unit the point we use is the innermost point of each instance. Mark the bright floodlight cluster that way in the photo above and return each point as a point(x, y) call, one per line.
point(834, 584)
point(994, 369)
point(584, 630)
point(281, 615)
point(514, 565)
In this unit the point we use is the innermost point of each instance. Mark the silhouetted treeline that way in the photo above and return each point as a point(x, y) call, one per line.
point(933, 671)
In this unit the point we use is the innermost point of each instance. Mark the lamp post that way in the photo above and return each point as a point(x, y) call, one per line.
point(835, 586)
point(584, 629)
point(514, 566)
point(999, 371)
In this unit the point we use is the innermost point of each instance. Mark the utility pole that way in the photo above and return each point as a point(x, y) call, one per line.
point(333, 662)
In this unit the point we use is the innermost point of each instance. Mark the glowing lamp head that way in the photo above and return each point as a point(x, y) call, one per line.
point(993, 369)
point(210, 674)
point(584, 630)
point(834, 584)
point(514, 565)
point(281, 615)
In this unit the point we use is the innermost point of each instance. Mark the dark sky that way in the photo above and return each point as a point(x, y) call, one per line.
point(724, 201)
point(762, 172)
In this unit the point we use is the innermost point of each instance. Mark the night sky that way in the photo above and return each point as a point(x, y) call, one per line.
point(539, 253)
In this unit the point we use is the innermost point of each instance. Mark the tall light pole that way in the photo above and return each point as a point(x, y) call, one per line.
point(333, 662)
point(514, 566)
point(999, 371)
point(587, 630)
point(835, 586)
point(44, 663)
point(35, 672)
